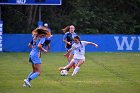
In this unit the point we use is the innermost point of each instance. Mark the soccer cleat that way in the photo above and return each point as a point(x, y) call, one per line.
point(73, 75)
point(24, 85)
point(27, 83)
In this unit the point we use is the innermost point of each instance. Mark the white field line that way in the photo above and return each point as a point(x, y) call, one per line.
point(127, 54)
point(93, 82)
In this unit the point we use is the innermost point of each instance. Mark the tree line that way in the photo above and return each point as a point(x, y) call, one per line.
point(88, 16)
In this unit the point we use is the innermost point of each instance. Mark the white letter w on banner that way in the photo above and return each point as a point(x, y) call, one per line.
point(120, 44)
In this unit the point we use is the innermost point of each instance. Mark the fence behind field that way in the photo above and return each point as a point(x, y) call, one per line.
point(107, 43)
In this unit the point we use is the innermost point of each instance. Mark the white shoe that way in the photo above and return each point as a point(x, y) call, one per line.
point(73, 74)
point(24, 85)
point(27, 83)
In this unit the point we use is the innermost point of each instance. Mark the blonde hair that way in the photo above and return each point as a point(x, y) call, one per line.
point(48, 33)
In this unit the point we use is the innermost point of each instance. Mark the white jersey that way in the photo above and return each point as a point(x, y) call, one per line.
point(79, 50)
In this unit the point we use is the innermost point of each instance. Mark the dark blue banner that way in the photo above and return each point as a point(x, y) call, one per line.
point(1, 31)
point(31, 2)
point(107, 43)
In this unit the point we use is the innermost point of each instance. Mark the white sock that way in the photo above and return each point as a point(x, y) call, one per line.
point(75, 70)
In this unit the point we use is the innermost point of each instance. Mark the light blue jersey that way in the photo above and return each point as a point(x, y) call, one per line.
point(34, 58)
point(66, 35)
point(69, 37)
point(73, 34)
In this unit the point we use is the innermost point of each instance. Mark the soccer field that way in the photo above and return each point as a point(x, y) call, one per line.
point(101, 73)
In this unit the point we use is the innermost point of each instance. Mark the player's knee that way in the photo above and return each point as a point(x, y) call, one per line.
point(69, 59)
point(83, 62)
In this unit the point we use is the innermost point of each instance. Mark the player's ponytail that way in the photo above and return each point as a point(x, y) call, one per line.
point(66, 29)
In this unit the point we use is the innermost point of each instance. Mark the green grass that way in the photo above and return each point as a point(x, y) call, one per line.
point(101, 73)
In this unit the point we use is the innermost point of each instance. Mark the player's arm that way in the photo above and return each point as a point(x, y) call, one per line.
point(40, 45)
point(65, 40)
point(41, 48)
point(91, 43)
point(30, 44)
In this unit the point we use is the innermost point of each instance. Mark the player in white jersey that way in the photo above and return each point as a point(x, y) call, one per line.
point(79, 54)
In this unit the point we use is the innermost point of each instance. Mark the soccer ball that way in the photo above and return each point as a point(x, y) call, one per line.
point(63, 72)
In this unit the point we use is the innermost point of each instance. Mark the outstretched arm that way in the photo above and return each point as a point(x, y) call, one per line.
point(94, 44)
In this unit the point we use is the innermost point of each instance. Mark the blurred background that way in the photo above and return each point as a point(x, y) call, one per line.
point(88, 16)
point(113, 24)
point(113, 67)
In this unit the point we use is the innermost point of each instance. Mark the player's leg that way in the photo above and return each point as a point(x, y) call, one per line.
point(68, 60)
point(80, 62)
point(68, 56)
point(32, 71)
point(37, 72)
point(25, 85)
point(71, 57)
point(30, 60)
point(26, 80)
point(67, 67)
point(36, 65)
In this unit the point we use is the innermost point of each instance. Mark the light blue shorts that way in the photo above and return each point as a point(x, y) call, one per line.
point(34, 59)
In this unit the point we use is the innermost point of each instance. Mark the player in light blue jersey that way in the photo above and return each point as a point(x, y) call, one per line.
point(34, 57)
point(68, 39)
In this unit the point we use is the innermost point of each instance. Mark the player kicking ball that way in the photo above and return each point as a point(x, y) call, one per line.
point(79, 54)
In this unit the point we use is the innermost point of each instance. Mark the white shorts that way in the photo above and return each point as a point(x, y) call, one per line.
point(79, 57)
point(76, 60)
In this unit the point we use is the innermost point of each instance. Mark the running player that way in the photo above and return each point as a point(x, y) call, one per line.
point(79, 54)
point(48, 37)
point(34, 58)
point(68, 39)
